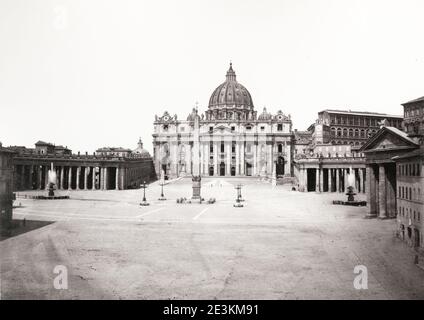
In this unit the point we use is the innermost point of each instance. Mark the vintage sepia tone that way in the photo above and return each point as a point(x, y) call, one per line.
point(223, 196)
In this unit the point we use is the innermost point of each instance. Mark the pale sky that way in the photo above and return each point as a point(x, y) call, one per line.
point(88, 74)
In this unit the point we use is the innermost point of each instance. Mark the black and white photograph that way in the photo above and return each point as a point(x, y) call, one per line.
point(211, 150)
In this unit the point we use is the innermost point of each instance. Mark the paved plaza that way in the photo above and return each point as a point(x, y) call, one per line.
point(282, 244)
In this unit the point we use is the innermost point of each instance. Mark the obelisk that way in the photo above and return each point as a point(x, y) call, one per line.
point(196, 179)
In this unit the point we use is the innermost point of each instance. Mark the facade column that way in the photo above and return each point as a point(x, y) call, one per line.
point(237, 158)
point(117, 179)
point(371, 192)
point(337, 179)
point(321, 180)
point(330, 180)
point(242, 162)
point(70, 178)
point(93, 178)
point(215, 157)
point(78, 178)
point(382, 191)
point(255, 159)
point(62, 177)
point(228, 166)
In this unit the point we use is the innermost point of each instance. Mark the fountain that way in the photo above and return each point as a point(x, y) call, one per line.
point(52, 181)
point(351, 193)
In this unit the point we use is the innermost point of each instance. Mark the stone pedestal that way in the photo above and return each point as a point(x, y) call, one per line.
point(196, 187)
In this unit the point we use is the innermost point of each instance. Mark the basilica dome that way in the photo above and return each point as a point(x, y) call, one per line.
point(231, 94)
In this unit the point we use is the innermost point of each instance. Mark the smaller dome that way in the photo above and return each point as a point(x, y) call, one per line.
point(139, 151)
point(265, 115)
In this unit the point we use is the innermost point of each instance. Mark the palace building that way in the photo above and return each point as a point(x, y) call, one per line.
point(233, 138)
point(395, 174)
point(351, 127)
point(107, 168)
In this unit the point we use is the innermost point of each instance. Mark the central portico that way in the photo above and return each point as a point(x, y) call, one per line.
point(232, 139)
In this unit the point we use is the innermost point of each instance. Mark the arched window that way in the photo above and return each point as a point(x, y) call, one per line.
point(280, 147)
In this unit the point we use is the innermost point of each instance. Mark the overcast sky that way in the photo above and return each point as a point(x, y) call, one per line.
point(88, 74)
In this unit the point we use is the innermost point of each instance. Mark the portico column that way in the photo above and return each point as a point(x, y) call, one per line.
point(337, 180)
point(363, 187)
point(371, 192)
point(382, 191)
point(321, 180)
point(330, 181)
point(62, 169)
point(69, 178)
point(215, 157)
point(117, 179)
point(86, 171)
point(78, 178)
point(46, 177)
point(237, 158)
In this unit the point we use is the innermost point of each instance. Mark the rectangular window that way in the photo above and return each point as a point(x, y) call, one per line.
point(262, 128)
point(280, 127)
point(222, 147)
point(233, 128)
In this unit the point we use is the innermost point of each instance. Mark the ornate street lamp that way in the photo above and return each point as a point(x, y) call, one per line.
point(162, 197)
point(144, 202)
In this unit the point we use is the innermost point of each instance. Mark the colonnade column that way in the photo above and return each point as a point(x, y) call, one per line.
point(337, 180)
point(39, 177)
point(317, 179)
point(78, 178)
point(93, 177)
point(62, 176)
point(237, 158)
point(330, 180)
point(105, 178)
point(31, 173)
point(69, 178)
point(117, 179)
point(86, 171)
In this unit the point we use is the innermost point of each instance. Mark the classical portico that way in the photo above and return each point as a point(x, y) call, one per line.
point(379, 151)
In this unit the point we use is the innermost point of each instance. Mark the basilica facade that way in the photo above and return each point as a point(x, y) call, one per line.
point(230, 137)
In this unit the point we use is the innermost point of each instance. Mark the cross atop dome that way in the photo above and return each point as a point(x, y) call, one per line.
point(231, 75)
